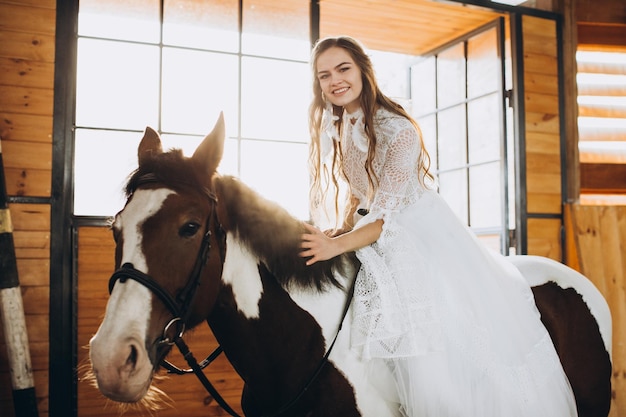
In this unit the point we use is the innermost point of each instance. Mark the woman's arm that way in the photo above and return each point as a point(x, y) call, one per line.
point(319, 247)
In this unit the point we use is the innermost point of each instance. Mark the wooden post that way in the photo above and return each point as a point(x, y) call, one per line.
point(12, 314)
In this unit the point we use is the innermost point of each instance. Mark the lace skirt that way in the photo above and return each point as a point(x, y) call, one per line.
point(455, 321)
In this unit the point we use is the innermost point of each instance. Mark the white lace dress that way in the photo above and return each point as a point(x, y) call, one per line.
point(454, 320)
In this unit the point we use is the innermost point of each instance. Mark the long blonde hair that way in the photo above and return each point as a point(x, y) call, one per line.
point(324, 179)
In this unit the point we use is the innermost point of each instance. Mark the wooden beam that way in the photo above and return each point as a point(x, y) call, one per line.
point(603, 178)
point(606, 35)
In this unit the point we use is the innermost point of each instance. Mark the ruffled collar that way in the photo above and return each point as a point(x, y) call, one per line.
point(356, 121)
point(352, 122)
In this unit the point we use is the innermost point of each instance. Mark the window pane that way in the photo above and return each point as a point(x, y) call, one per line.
point(275, 99)
point(133, 20)
point(202, 24)
point(452, 138)
point(278, 171)
point(424, 87)
point(276, 28)
point(117, 85)
point(485, 196)
point(103, 160)
point(453, 188)
point(483, 64)
point(484, 129)
point(196, 87)
point(392, 72)
point(451, 76)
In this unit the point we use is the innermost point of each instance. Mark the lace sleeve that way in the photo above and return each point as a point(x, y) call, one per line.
point(398, 184)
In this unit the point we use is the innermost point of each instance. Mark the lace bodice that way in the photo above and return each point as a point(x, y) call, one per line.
point(395, 163)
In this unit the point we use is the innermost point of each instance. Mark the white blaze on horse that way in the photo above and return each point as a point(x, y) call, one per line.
point(192, 245)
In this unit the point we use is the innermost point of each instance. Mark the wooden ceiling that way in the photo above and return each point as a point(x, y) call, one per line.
point(412, 27)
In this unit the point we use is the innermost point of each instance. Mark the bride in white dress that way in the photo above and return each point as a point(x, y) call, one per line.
point(454, 321)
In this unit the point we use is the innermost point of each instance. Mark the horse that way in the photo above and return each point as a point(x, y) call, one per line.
point(193, 245)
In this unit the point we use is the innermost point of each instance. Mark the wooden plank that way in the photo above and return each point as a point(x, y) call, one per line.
point(542, 103)
point(603, 178)
point(418, 26)
point(540, 64)
point(544, 238)
point(600, 233)
point(28, 100)
point(26, 73)
point(544, 203)
point(36, 299)
point(542, 83)
point(544, 163)
point(32, 244)
point(47, 4)
point(537, 26)
point(21, 155)
point(33, 272)
point(571, 251)
point(28, 182)
point(542, 123)
point(30, 217)
point(543, 143)
point(26, 127)
point(607, 11)
point(28, 19)
point(31, 46)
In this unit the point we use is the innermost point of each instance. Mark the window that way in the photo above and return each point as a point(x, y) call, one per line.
point(601, 83)
point(174, 70)
point(457, 100)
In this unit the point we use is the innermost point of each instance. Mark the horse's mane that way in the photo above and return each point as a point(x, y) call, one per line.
point(274, 235)
point(266, 228)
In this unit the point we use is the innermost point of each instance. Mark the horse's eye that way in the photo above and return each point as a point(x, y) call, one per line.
point(189, 229)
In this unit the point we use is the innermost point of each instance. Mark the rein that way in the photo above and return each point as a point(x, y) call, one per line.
point(180, 307)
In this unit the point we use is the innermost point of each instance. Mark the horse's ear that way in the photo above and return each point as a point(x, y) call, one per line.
point(149, 146)
point(209, 153)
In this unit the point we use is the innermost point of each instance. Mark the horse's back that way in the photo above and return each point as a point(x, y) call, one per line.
point(538, 270)
point(579, 322)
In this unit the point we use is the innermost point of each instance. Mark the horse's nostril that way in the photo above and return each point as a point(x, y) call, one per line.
point(132, 357)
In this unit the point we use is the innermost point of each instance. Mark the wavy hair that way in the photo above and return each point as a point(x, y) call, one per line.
point(324, 178)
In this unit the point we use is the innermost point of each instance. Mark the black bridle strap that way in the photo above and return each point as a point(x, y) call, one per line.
point(128, 271)
point(191, 360)
point(173, 369)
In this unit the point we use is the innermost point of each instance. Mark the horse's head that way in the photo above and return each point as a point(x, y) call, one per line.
point(168, 245)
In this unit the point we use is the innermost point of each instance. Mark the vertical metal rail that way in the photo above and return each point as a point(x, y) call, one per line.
point(12, 313)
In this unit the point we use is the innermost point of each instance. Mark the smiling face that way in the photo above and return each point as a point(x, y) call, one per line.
point(340, 78)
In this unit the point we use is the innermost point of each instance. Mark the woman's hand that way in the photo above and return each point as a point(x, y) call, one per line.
point(318, 245)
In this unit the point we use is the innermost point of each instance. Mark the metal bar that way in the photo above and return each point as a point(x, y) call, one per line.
point(63, 351)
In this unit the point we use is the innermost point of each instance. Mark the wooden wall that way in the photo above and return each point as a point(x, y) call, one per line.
point(542, 171)
point(600, 253)
point(27, 29)
point(27, 39)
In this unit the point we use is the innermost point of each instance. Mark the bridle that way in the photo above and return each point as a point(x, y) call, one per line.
point(180, 306)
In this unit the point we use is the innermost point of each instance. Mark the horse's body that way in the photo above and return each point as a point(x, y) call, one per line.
point(274, 317)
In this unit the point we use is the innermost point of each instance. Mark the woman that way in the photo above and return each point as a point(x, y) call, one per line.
point(454, 321)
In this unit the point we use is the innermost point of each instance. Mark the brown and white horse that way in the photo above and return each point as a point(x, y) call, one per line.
point(192, 245)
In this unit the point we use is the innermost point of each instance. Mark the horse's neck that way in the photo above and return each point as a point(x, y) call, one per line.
point(258, 322)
